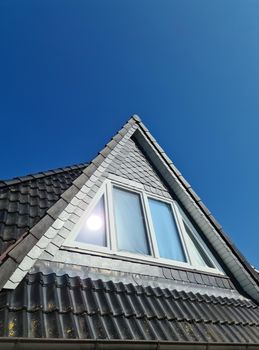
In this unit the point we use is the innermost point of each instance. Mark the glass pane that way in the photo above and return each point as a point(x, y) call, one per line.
point(197, 254)
point(93, 231)
point(129, 220)
point(167, 235)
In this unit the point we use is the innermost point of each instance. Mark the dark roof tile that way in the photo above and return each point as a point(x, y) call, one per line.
point(6, 269)
point(23, 201)
point(22, 248)
point(59, 307)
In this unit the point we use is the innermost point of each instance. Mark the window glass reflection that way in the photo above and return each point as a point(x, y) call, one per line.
point(167, 235)
point(93, 231)
point(198, 256)
point(129, 220)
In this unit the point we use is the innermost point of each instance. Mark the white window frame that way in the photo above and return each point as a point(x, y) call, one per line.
point(71, 239)
point(185, 219)
point(111, 249)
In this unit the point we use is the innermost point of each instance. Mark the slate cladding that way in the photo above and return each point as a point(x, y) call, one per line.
point(198, 278)
point(69, 307)
point(133, 165)
point(25, 200)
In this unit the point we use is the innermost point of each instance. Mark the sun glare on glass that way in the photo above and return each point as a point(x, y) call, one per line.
point(94, 222)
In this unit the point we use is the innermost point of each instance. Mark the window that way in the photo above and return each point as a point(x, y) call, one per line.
point(93, 231)
point(129, 222)
point(135, 224)
point(166, 231)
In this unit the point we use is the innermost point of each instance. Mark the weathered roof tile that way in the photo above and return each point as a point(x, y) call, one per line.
point(24, 200)
point(109, 312)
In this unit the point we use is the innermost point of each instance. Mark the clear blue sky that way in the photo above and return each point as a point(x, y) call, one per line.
point(72, 72)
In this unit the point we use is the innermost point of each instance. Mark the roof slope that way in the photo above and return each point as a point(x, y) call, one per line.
point(69, 307)
point(25, 200)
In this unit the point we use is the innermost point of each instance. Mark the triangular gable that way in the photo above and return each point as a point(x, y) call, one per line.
point(67, 211)
point(22, 256)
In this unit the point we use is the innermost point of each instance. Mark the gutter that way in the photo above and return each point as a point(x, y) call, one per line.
point(101, 344)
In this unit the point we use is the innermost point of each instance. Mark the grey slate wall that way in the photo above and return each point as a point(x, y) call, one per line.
point(132, 164)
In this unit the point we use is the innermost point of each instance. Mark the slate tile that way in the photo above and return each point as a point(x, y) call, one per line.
point(205, 279)
point(198, 278)
point(175, 275)
point(219, 282)
point(183, 276)
point(190, 276)
point(227, 283)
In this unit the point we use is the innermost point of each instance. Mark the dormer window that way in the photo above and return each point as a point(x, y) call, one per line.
point(138, 225)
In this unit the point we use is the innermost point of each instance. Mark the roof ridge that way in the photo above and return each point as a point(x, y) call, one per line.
point(19, 179)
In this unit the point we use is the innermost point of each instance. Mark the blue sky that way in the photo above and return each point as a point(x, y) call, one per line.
point(72, 72)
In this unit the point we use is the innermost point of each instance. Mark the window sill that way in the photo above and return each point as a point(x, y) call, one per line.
point(142, 259)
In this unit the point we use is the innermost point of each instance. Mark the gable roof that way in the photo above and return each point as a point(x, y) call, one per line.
point(89, 179)
point(172, 177)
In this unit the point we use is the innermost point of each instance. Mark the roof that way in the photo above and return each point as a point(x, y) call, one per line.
point(25, 200)
point(68, 307)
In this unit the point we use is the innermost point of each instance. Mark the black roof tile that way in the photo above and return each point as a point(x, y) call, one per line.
point(25, 200)
point(64, 307)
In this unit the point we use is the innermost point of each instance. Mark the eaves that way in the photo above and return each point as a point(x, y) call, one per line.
point(100, 344)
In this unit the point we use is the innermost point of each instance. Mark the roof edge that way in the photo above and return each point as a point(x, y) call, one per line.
point(112, 344)
point(20, 179)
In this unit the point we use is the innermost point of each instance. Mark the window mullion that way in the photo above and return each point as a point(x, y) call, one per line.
point(111, 218)
point(150, 227)
point(181, 229)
